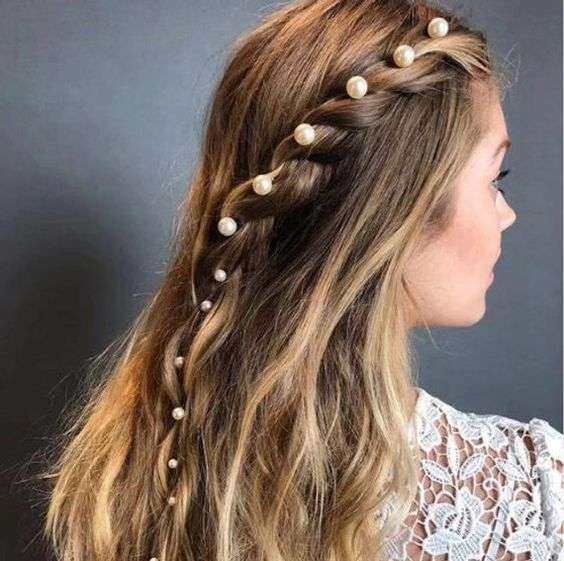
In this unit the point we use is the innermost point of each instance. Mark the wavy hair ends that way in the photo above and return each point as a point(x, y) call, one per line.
point(298, 382)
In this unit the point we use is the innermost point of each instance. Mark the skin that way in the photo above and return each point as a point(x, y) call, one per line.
point(449, 277)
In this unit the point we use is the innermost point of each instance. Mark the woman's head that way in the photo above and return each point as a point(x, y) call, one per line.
point(383, 184)
point(297, 382)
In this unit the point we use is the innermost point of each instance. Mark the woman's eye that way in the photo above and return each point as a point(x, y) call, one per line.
point(496, 181)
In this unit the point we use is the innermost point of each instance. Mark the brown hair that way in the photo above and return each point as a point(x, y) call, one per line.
point(297, 383)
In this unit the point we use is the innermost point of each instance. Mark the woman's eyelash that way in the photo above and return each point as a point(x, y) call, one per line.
point(501, 175)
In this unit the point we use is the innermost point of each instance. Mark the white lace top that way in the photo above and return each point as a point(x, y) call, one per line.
point(490, 488)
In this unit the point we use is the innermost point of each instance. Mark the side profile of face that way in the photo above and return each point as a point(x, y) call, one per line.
point(449, 277)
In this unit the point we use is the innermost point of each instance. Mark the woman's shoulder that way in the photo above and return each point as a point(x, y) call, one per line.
point(528, 446)
point(434, 417)
point(481, 453)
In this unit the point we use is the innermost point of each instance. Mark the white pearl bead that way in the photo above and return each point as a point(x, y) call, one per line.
point(404, 55)
point(262, 184)
point(437, 27)
point(178, 413)
point(153, 559)
point(172, 500)
point(179, 361)
point(172, 463)
point(206, 305)
point(357, 87)
point(219, 275)
point(227, 226)
point(304, 134)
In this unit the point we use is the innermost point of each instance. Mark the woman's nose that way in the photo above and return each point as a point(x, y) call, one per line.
point(507, 214)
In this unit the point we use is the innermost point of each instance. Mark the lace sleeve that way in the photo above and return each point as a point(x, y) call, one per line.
point(547, 445)
point(491, 488)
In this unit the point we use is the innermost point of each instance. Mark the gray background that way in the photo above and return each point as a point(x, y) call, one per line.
point(100, 113)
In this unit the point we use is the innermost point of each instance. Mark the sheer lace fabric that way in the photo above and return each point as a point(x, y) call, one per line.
point(490, 488)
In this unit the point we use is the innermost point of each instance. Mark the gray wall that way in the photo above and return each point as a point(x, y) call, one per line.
point(101, 105)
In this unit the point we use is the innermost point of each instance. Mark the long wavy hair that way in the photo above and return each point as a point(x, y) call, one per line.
point(298, 382)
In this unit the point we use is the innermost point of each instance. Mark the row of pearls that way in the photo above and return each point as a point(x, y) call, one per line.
point(304, 134)
point(220, 275)
point(178, 413)
point(404, 55)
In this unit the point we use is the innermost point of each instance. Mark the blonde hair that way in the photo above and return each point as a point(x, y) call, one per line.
point(297, 384)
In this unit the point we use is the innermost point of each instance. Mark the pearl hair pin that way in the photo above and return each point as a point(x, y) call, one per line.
point(262, 184)
point(178, 413)
point(357, 87)
point(206, 305)
point(219, 275)
point(404, 56)
point(437, 27)
point(304, 134)
point(227, 226)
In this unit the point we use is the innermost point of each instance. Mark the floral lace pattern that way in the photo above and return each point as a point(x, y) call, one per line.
point(490, 488)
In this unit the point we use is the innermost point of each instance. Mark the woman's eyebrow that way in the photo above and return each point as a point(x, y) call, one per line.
point(506, 143)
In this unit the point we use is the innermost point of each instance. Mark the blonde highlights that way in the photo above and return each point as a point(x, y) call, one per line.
point(297, 381)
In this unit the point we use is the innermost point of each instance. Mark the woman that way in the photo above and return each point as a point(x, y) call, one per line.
point(263, 405)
